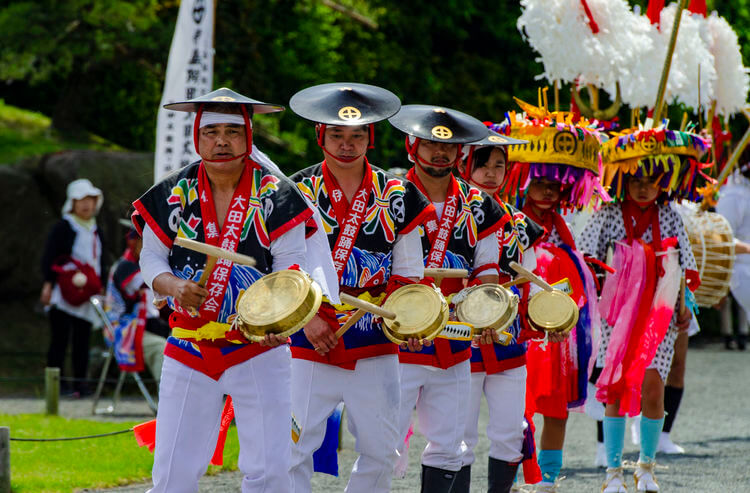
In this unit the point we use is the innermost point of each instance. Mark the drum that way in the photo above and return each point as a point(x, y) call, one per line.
point(712, 242)
point(487, 306)
point(421, 312)
point(279, 303)
point(552, 311)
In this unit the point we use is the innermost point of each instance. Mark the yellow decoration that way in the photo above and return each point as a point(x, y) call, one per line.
point(552, 145)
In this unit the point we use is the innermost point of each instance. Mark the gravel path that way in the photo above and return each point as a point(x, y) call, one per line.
point(713, 426)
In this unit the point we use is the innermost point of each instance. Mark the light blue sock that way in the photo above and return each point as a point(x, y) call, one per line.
point(650, 431)
point(614, 439)
point(550, 462)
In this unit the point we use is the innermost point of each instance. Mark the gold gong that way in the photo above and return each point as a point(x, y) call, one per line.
point(279, 303)
point(553, 311)
point(487, 306)
point(421, 312)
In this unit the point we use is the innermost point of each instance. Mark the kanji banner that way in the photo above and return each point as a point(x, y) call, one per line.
point(189, 75)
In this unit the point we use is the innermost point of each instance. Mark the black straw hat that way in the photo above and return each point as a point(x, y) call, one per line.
point(345, 103)
point(224, 96)
point(438, 124)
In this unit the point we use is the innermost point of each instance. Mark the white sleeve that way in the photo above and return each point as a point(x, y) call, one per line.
point(154, 255)
point(407, 255)
point(289, 249)
point(487, 252)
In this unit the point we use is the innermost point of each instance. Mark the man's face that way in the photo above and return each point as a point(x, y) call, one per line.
point(346, 142)
point(439, 154)
point(221, 141)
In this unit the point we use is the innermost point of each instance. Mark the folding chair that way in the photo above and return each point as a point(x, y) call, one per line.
point(97, 301)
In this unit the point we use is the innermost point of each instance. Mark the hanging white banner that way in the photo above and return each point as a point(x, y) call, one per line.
point(189, 75)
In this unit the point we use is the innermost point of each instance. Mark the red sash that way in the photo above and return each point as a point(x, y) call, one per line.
point(643, 218)
point(439, 230)
point(348, 216)
point(551, 219)
point(228, 237)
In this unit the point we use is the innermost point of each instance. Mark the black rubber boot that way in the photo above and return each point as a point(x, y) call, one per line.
point(741, 342)
point(436, 480)
point(500, 476)
point(462, 484)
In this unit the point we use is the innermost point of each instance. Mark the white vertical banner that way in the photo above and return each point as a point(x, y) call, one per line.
point(189, 75)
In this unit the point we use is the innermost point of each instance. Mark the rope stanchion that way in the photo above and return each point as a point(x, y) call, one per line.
point(65, 439)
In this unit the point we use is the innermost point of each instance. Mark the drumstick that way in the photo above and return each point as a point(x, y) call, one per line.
point(349, 323)
point(210, 264)
point(366, 306)
point(531, 276)
point(214, 251)
point(520, 280)
point(454, 273)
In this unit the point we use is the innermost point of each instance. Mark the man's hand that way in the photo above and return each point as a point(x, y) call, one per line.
point(272, 340)
point(415, 345)
point(320, 335)
point(189, 294)
point(683, 320)
point(488, 336)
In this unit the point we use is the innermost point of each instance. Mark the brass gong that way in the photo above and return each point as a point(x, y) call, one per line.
point(487, 306)
point(280, 303)
point(552, 311)
point(421, 312)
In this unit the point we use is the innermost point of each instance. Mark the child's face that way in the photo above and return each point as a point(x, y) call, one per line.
point(490, 176)
point(545, 193)
point(643, 189)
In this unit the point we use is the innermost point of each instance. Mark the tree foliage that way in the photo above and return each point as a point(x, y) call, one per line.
point(99, 64)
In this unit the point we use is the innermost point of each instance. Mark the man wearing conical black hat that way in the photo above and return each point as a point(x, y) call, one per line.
point(230, 201)
point(371, 218)
point(458, 233)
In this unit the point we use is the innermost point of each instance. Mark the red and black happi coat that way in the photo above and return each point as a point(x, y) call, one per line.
point(450, 241)
point(265, 205)
point(361, 236)
point(517, 234)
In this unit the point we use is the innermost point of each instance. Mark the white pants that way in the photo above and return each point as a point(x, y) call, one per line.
point(371, 395)
point(506, 400)
point(187, 423)
point(440, 397)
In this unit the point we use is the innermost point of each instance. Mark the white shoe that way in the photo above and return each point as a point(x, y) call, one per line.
point(667, 446)
point(515, 488)
point(615, 482)
point(601, 455)
point(644, 478)
point(635, 430)
point(546, 488)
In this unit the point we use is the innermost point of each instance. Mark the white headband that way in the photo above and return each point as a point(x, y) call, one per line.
point(213, 118)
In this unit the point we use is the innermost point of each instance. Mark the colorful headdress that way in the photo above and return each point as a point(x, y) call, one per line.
point(671, 155)
point(558, 149)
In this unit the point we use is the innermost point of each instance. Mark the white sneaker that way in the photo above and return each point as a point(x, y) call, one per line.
point(601, 455)
point(644, 478)
point(515, 488)
point(615, 482)
point(667, 446)
point(635, 430)
point(546, 488)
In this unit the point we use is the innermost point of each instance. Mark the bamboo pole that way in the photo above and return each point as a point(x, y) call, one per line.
point(668, 62)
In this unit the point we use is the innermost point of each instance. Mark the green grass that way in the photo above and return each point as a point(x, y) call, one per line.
point(26, 133)
point(93, 463)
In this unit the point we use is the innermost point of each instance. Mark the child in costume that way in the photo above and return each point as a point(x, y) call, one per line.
point(557, 170)
point(641, 315)
point(499, 370)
